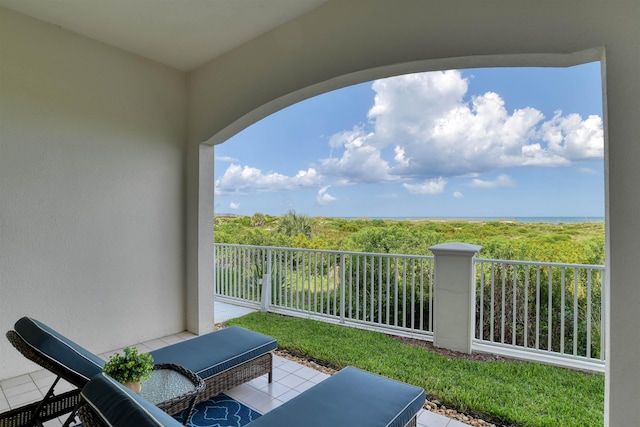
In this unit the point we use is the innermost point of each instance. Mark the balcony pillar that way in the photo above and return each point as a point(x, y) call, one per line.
point(454, 299)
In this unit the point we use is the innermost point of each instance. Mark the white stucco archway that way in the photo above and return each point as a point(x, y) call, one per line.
point(453, 36)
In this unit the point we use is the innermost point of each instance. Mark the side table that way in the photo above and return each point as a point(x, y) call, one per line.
point(173, 389)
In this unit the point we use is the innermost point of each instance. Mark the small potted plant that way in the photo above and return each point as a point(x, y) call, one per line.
point(131, 368)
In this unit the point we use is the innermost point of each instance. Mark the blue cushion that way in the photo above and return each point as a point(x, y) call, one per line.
point(216, 352)
point(349, 398)
point(59, 348)
point(118, 406)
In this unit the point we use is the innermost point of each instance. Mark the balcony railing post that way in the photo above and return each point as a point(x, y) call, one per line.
point(266, 285)
point(454, 303)
point(342, 288)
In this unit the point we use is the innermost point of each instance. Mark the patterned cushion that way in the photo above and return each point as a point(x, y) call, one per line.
point(59, 348)
point(216, 352)
point(118, 406)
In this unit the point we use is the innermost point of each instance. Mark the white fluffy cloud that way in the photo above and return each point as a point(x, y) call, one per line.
point(323, 197)
point(458, 195)
point(431, 187)
point(234, 205)
point(501, 181)
point(238, 179)
point(432, 131)
point(360, 161)
point(425, 128)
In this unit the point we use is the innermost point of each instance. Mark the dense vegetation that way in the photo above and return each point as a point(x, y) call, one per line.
point(576, 243)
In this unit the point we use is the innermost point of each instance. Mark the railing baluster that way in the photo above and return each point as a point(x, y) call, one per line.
point(323, 283)
point(526, 307)
point(364, 289)
point(562, 309)
point(281, 277)
point(236, 284)
point(335, 284)
point(421, 294)
point(315, 282)
point(350, 287)
point(550, 311)
point(514, 307)
point(395, 317)
point(480, 328)
point(379, 289)
point(289, 277)
point(357, 287)
point(342, 289)
point(503, 304)
point(575, 312)
point(388, 290)
point(538, 302)
point(493, 303)
point(588, 355)
point(404, 294)
point(413, 293)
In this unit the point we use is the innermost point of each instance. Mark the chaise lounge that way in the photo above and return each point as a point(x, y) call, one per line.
point(351, 397)
point(223, 359)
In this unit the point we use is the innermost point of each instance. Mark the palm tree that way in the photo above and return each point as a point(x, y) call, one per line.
point(292, 224)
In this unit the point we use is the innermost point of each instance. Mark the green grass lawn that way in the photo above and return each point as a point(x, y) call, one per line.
point(510, 393)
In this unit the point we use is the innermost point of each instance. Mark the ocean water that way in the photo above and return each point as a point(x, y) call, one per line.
point(547, 219)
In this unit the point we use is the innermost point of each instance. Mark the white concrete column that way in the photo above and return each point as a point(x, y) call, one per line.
point(200, 287)
point(454, 300)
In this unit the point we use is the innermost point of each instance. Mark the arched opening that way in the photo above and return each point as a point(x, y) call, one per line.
point(358, 137)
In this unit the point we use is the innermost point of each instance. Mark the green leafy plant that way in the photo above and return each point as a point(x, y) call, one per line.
point(131, 367)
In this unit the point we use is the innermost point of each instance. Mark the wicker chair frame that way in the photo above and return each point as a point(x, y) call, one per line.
point(237, 375)
point(54, 406)
point(184, 402)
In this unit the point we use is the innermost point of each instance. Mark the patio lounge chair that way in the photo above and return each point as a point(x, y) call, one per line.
point(351, 397)
point(223, 359)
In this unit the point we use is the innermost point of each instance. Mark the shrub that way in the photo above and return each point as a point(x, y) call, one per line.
point(131, 367)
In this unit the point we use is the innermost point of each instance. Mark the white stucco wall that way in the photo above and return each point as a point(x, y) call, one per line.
point(91, 189)
point(346, 42)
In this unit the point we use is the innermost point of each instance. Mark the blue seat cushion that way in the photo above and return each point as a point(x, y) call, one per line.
point(210, 354)
point(117, 406)
point(59, 348)
point(351, 397)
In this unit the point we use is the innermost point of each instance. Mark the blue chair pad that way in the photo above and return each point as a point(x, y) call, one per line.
point(349, 398)
point(59, 348)
point(210, 354)
point(117, 406)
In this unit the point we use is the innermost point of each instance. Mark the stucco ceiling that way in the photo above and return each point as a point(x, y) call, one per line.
point(183, 34)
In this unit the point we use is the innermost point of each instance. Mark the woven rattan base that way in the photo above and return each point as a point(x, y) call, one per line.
point(54, 407)
point(237, 375)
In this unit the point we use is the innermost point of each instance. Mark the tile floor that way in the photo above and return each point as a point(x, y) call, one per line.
point(289, 380)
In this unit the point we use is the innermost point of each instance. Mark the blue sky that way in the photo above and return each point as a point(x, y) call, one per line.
point(493, 142)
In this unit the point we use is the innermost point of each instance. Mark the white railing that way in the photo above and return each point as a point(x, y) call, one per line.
point(546, 312)
point(548, 309)
point(376, 291)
